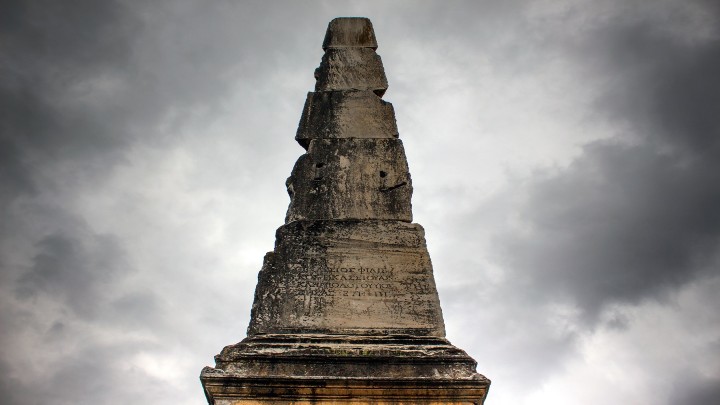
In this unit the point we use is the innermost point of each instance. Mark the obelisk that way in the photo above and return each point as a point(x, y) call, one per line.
point(346, 309)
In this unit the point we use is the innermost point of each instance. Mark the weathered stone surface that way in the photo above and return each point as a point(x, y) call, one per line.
point(338, 369)
point(396, 369)
point(346, 114)
point(227, 390)
point(346, 308)
point(283, 355)
point(350, 32)
point(347, 277)
point(351, 179)
point(351, 69)
point(376, 386)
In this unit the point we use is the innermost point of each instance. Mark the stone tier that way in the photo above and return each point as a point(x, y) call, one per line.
point(335, 369)
point(351, 69)
point(345, 114)
point(347, 277)
point(351, 179)
point(350, 32)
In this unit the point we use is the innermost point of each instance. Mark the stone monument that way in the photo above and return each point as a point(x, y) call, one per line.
point(346, 309)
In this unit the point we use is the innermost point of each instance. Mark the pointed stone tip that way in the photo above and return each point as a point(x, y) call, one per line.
point(345, 32)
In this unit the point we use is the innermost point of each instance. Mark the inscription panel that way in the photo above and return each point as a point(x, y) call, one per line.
point(322, 284)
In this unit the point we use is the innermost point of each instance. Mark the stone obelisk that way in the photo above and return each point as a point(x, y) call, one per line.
point(346, 308)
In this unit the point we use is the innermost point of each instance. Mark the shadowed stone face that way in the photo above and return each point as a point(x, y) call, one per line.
point(350, 32)
point(339, 179)
point(351, 69)
point(346, 309)
point(346, 114)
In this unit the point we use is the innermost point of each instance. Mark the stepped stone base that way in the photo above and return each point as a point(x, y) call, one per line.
point(332, 392)
point(304, 369)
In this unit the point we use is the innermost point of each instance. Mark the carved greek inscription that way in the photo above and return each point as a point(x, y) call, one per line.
point(360, 289)
point(346, 282)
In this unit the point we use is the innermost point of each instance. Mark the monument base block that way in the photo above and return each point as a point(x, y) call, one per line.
point(328, 392)
point(305, 369)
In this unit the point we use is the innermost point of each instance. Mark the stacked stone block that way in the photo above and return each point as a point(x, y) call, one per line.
point(346, 308)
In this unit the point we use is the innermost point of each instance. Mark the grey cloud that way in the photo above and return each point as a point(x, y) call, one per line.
point(9, 386)
point(84, 322)
point(93, 372)
point(634, 217)
point(138, 309)
point(78, 273)
point(696, 390)
point(84, 376)
point(665, 85)
point(620, 224)
point(83, 82)
point(89, 36)
point(507, 325)
point(47, 49)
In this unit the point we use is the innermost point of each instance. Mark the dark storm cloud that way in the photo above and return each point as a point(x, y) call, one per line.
point(47, 48)
point(83, 80)
point(48, 51)
point(82, 83)
point(696, 390)
point(50, 117)
point(77, 273)
point(636, 216)
point(8, 386)
point(666, 86)
point(84, 376)
point(70, 314)
point(622, 223)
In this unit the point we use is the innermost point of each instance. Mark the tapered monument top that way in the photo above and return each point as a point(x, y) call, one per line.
point(346, 310)
point(350, 32)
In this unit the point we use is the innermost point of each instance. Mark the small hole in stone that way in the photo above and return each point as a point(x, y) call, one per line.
point(319, 165)
point(382, 173)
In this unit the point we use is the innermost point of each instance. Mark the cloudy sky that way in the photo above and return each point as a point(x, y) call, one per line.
point(565, 158)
